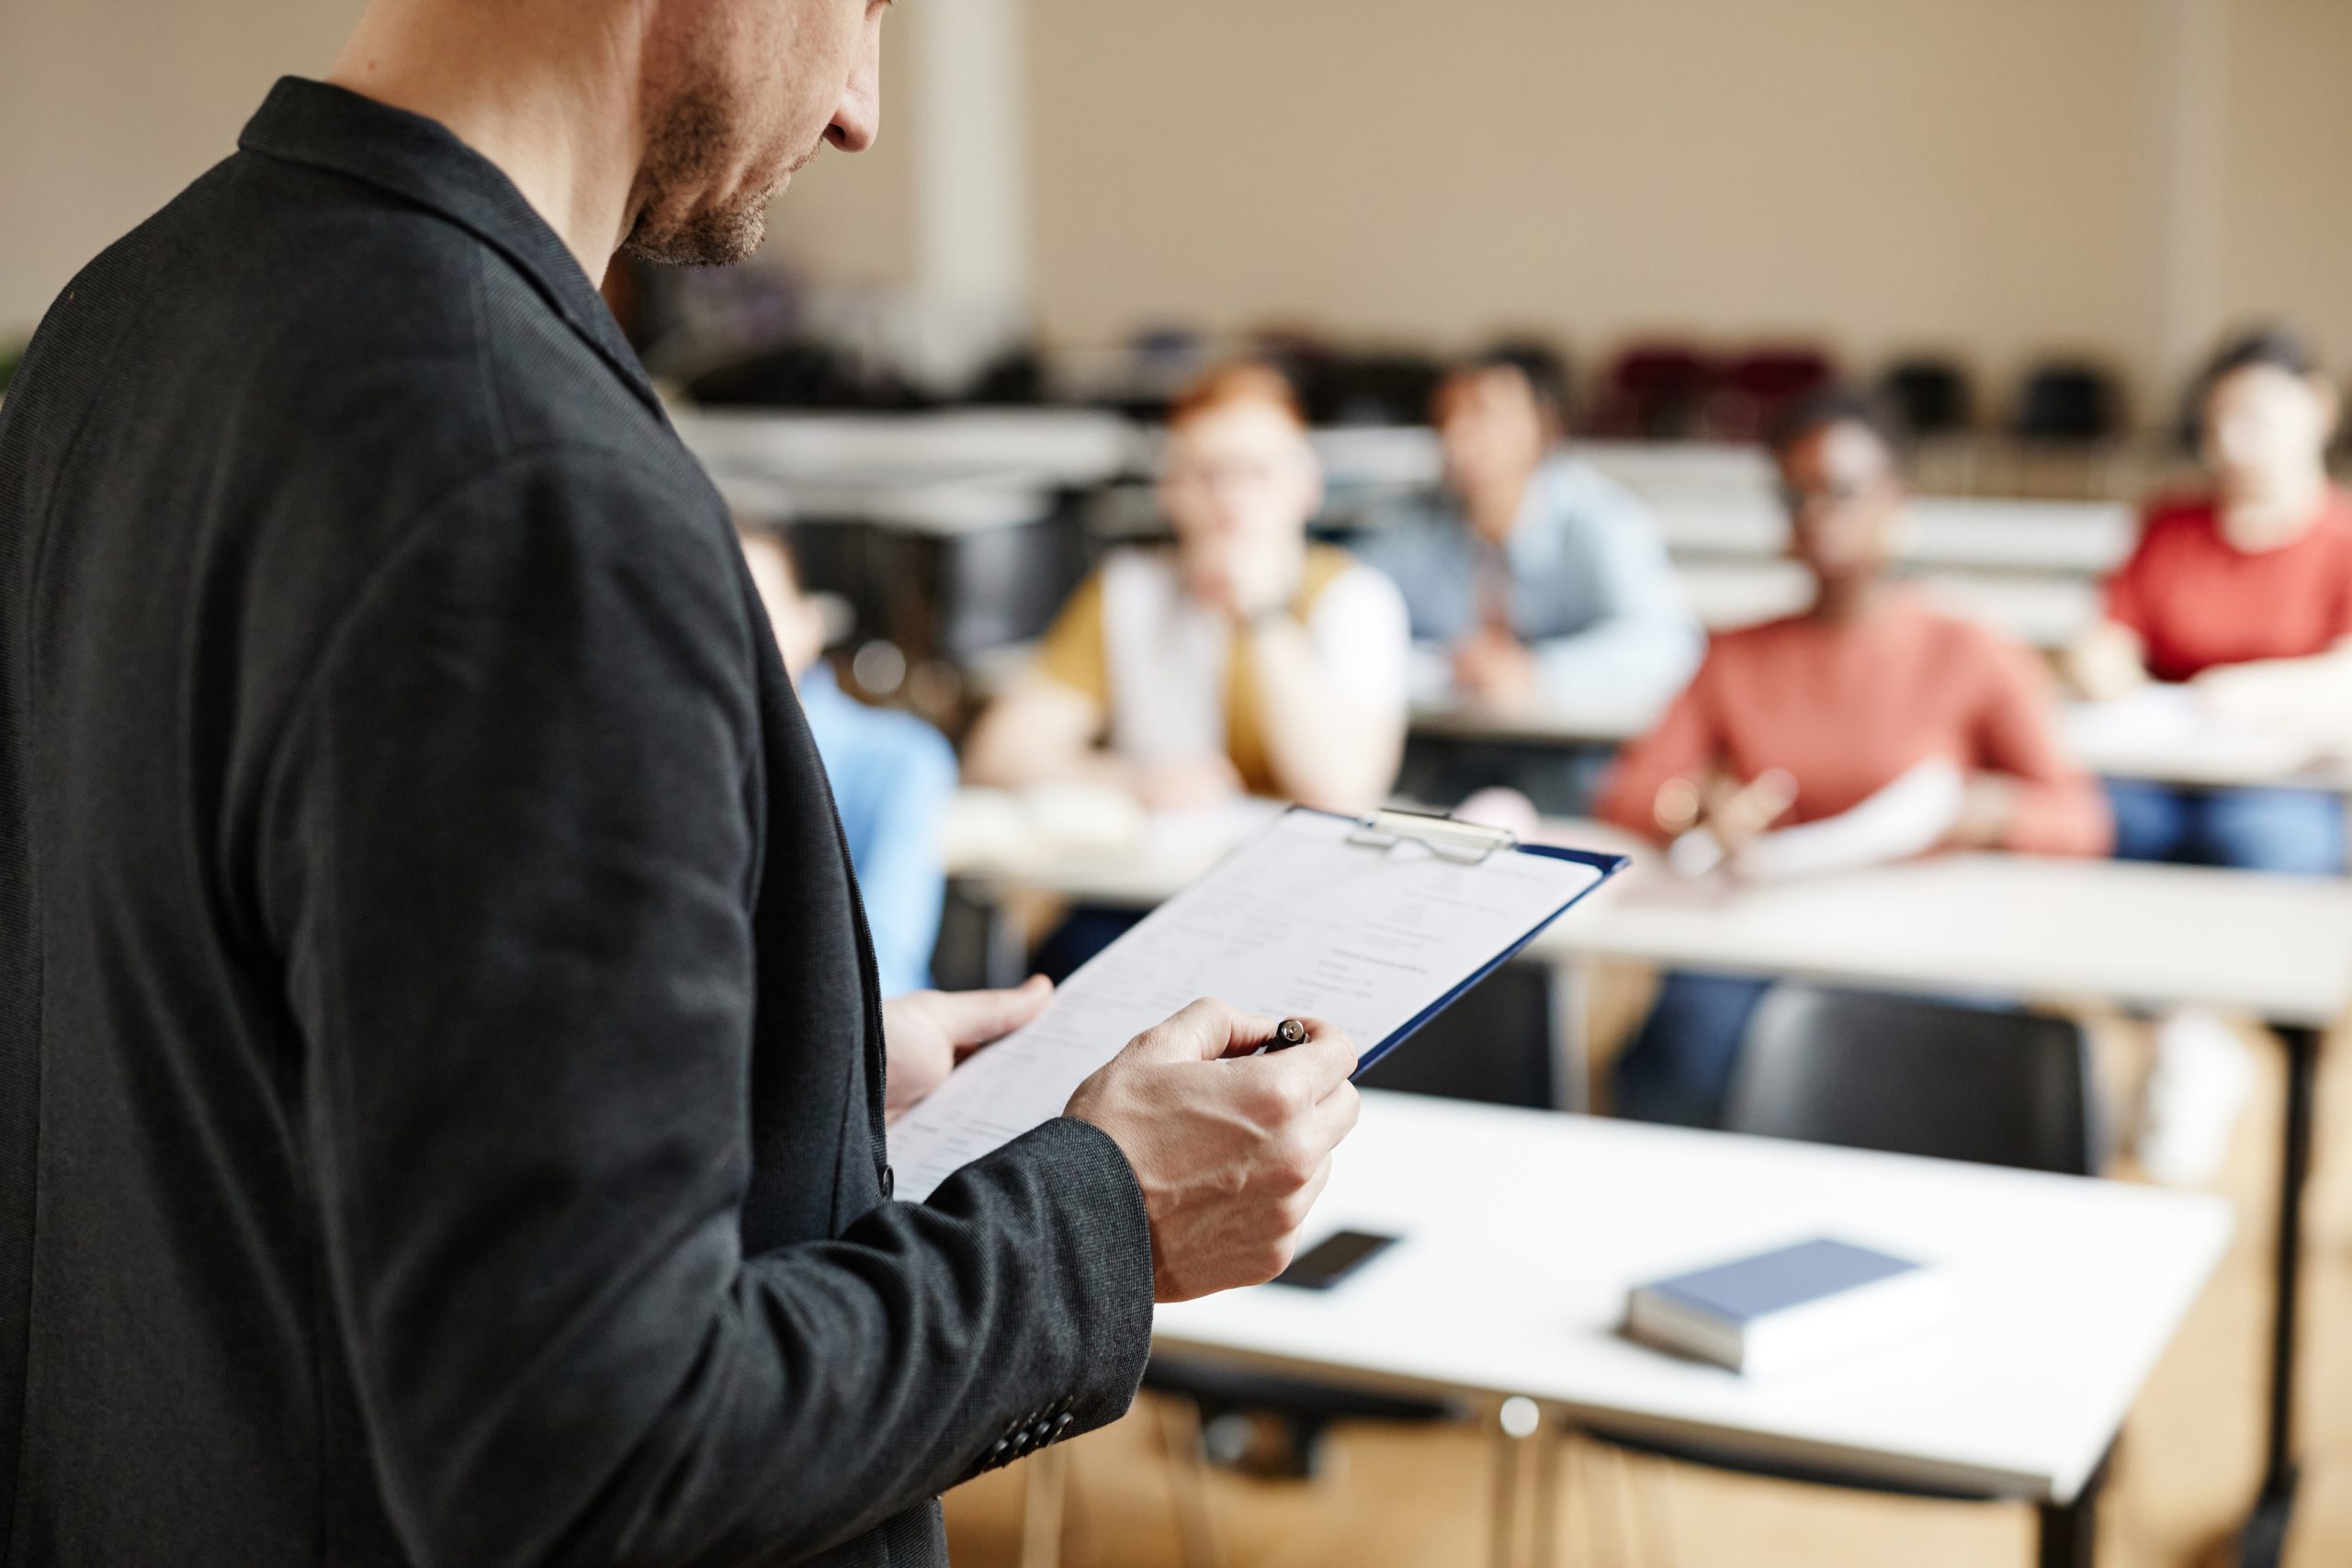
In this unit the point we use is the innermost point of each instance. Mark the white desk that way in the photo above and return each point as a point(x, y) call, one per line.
point(1523, 1230)
point(2279, 948)
point(2054, 538)
point(1057, 447)
point(2044, 612)
point(2142, 936)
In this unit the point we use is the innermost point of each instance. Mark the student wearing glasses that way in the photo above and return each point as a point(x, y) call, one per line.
point(1242, 659)
point(1870, 728)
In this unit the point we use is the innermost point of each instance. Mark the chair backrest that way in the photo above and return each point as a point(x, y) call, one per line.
point(2067, 401)
point(1935, 395)
point(1921, 1077)
point(1495, 1045)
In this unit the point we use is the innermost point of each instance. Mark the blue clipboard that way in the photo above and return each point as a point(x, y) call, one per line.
point(1468, 844)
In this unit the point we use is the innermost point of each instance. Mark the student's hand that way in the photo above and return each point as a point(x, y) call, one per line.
point(1492, 666)
point(1739, 814)
point(2108, 662)
point(1246, 583)
point(1188, 786)
point(1230, 1149)
point(926, 1033)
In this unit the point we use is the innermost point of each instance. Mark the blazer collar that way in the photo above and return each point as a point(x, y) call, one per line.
point(423, 162)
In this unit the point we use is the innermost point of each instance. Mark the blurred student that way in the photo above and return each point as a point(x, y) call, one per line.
point(1533, 577)
point(2244, 594)
point(1870, 728)
point(1242, 659)
point(892, 777)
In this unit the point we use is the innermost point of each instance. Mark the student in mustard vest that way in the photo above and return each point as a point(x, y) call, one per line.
point(1243, 659)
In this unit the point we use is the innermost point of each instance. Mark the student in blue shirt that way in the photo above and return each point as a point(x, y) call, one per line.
point(892, 776)
point(1534, 580)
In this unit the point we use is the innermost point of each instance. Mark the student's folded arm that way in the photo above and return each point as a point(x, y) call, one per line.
point(1628, 659)
point(506, 861)
point(2054, 806)
point(1039, 732)
point(1334, 697)
point(1647, 643)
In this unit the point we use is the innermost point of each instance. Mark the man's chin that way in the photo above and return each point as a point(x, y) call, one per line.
point(711, 239)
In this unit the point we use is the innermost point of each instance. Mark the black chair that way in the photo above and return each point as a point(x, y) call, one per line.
point(1906, 1075)
point(1497, 1045)
point(2067, 404)
point(1866, 1071)
point(1936, 396)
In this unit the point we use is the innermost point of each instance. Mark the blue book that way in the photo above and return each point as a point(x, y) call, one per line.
point(1790, 1307)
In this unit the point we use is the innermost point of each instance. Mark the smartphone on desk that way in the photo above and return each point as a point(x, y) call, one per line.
point(1332, 1259)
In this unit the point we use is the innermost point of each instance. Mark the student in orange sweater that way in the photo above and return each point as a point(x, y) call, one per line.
point(1870, 728)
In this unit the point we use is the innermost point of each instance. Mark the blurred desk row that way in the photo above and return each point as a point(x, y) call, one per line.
point(952, 534)
point(2042, 932)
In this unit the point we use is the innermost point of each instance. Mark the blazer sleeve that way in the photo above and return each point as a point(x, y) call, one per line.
point(508, 855)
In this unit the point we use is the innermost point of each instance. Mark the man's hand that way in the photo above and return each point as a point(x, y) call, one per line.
point(1230, 1149)
point(1492, 666)
point(925, 1033)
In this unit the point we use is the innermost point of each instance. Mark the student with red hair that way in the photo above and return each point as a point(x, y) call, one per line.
point(1244, 658)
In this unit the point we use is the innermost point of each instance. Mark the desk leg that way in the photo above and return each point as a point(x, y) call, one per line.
point(1041, 1518)
point(1503, 1540)
point(1572, 1033)
point(2070, 1531)
point(2264, 1538)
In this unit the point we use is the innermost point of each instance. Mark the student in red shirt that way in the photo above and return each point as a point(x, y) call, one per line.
point(1871, 726)
point(2245, 593)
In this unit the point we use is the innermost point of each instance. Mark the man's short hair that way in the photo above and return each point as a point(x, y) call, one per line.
point(1838, 404)
point(1230, 385)
point(1545, 372)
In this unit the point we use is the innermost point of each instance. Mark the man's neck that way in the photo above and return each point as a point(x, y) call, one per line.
point(555, 109)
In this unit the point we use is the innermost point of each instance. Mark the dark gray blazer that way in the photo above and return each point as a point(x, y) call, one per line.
point(440, 1067)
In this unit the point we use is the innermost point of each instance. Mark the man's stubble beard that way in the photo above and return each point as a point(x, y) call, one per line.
point(691, 151)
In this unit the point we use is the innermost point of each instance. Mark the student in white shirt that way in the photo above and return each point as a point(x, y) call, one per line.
point(1243, 659)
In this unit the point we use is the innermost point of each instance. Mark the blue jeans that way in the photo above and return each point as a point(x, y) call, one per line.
point(2299, 831)
point(1678, 1069)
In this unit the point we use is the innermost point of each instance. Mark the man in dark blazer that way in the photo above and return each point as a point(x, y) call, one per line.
point(442, 1078)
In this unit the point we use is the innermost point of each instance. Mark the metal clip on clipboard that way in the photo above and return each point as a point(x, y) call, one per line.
point(1464, 844)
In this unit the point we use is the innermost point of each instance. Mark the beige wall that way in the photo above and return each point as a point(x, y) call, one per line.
point(1969, 174)
point(109, 107)
point(1976, 174)
point(2286, 202)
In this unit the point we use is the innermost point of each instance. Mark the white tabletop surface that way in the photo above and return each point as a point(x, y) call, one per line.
point(2201, 760)
point(1523, 1232)
point(1066, 446)
point(2014, 926)
point(2062, 537)
point(2044, 612)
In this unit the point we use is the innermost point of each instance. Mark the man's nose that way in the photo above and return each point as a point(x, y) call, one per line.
point(859, 120)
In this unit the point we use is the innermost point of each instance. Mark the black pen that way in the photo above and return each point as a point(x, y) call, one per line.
point(1287, 1033)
